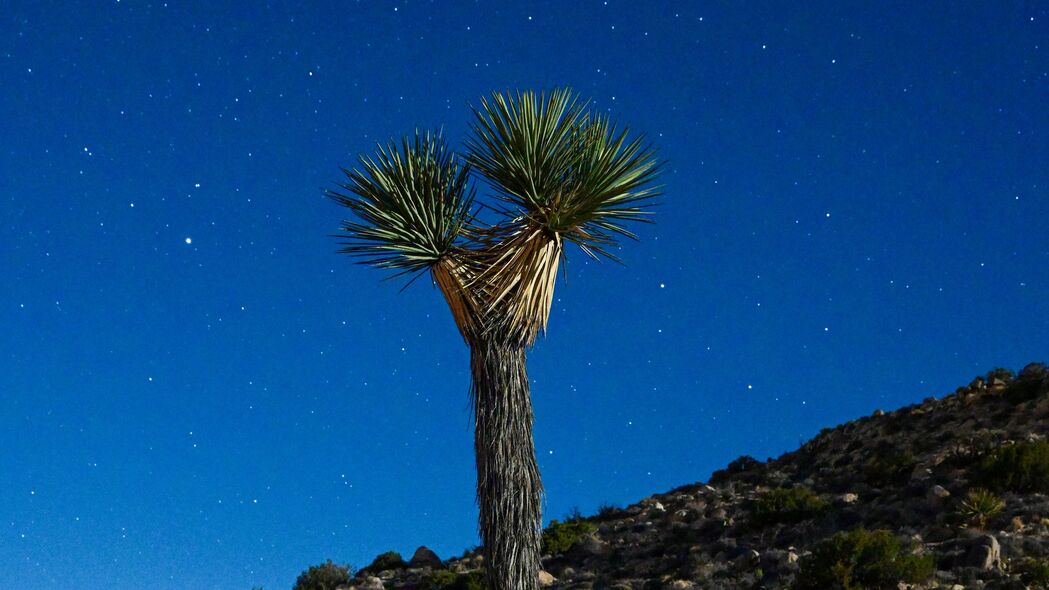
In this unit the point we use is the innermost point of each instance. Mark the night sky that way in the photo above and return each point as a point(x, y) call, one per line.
point(197, 392)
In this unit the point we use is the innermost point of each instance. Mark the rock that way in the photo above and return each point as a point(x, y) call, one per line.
point(849, 498)
point(658, 507)
point(684, 515)
point(545, 579)
point(681, 584)
point(587, 546)
point(749, 559)
point(424, 557)
point(937, 496)
point(985, 554)
point(371, 583)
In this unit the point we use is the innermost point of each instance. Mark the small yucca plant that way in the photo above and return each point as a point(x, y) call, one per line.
point(980, 506)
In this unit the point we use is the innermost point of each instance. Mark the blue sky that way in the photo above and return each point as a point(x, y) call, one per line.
point(199, 393)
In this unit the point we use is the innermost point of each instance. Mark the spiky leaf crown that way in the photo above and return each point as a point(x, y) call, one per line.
point(558, 173)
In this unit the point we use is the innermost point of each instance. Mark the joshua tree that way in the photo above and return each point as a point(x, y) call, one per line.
point(558, 174)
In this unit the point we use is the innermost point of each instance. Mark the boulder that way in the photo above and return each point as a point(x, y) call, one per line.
point(748, 560)
point(424, 557)
point(937, 496)
point(587, 546)
point(371, 583)
point(985, 554)
point(545, 579)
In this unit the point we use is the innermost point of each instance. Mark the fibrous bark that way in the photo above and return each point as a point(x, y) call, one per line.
point(509, 488)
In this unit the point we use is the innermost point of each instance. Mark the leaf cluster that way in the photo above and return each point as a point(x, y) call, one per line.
point(411, 204)
point(862, 560)
point(559, 537)
point(890, 468)
point(1020, 467)
point(449, 580)
point(559, 173)
point(561, 167)
point(390, 560)
point(1034, 572)
point(741, 465)
point(1032, 382)
point(326, 576)
point(979, 506)
point(786, 505)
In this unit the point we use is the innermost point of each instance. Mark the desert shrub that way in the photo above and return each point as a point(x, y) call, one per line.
point(979, 506)
point(1020, 467)
point(607, 511)
point(861, 560)
point(1034, 573)
point(1032, 382)
point(891, 468)
point(742, 464)
point(998, 373)
point(391, 560)
point(326, 576)
point(680, 534)
point(786, 505)
point(559, 537)
point(449, 580)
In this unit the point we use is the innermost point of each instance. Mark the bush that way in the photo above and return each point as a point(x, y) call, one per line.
point(742, 464)
point(786, 505)
point(998, 373)
point(449, 580)
point(861, 560)
point(559, 537)
point(1020, 467)
point(391, 560)
point(326, 576)
point(890, 469)
point(980, 506)
point(1032, 382)
point(608, 511)
point(1034, 573)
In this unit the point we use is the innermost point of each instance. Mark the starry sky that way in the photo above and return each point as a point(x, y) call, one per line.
point(198, 392)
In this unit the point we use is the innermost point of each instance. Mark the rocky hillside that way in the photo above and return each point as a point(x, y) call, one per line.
point(950, 493)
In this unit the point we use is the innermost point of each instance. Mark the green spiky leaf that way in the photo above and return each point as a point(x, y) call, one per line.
point(563, 168)
point(411, 204)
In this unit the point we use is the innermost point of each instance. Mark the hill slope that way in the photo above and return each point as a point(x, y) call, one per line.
point(959, 485)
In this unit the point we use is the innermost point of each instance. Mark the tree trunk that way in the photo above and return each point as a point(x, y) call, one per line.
point(509, 489)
